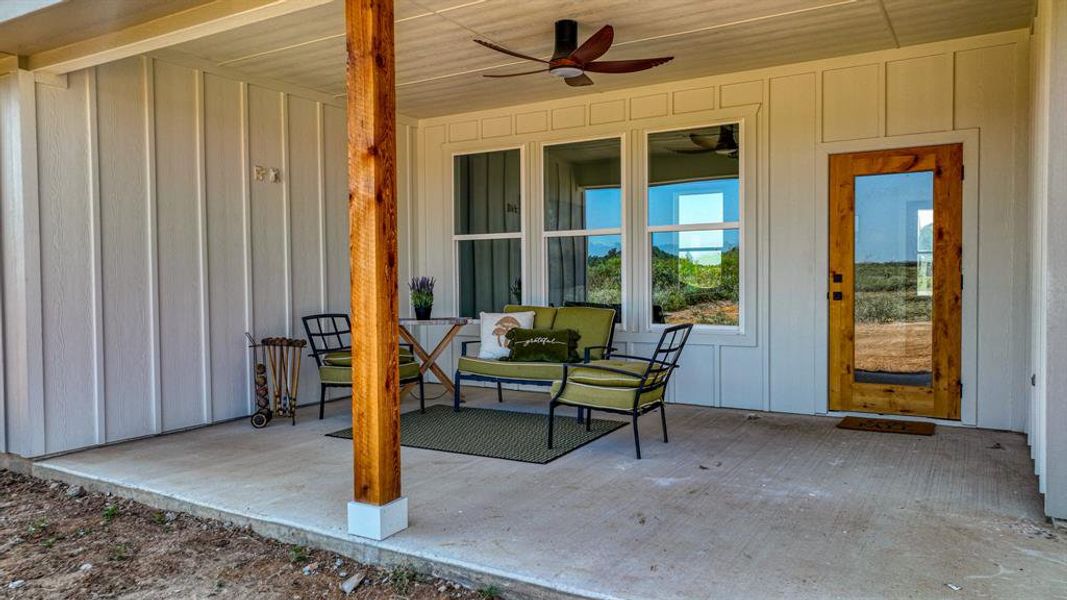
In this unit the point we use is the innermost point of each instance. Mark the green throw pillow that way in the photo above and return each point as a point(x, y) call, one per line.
point(543, 345)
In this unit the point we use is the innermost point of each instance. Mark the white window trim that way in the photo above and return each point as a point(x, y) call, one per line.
point(621, 231)
point(693, 227)
point(462, 237)
point(745, 332)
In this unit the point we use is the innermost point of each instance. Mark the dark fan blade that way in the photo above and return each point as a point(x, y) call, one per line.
point(578, 80)
point(493, 46)
point(594, 47)
point(625, 66)
point(517, 74)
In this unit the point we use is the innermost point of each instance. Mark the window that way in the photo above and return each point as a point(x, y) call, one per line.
point(583, 223)
point(694, 225)
point(487, 194)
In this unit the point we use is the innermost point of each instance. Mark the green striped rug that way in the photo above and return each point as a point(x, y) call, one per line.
point(492, 433)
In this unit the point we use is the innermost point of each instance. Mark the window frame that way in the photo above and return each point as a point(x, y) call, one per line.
point(621, 230)
point(744, 333)
point(456, 238)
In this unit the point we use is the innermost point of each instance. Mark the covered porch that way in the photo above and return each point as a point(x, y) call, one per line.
point(737, 505)
point(211, 169)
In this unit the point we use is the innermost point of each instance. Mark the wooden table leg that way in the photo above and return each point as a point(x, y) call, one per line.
point(429, 361)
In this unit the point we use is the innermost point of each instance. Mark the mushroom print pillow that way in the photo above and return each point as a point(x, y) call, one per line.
point(495, 328)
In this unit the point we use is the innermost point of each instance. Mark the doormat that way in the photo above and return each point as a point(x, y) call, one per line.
point(509, 435)
point(887, 425)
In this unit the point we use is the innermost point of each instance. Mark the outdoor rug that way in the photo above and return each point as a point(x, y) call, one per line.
point(887, 425)
point(492, 433)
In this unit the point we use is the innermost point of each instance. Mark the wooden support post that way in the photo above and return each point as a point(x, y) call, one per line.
point(372, 256)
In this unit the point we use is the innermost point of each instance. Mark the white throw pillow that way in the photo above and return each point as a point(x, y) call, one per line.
point(495, 326)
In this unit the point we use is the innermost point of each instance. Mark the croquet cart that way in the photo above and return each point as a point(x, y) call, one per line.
point(275, 377)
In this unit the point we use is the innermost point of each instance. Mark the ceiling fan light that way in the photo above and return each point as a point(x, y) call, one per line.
point(727, 145)
point(566, 71)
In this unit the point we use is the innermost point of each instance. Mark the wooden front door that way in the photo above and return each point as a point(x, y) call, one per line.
point(896, 223)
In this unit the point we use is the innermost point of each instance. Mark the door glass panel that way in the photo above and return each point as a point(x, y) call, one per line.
point(894, 257)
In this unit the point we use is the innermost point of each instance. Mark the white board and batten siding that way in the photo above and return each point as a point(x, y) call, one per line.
point(1048, 140)
point(159, 248)
point(972, 89)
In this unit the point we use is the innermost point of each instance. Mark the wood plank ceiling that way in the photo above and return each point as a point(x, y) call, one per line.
point(67, 22)
point(439, 69)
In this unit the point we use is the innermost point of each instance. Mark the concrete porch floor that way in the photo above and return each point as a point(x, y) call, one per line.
point(733, 507)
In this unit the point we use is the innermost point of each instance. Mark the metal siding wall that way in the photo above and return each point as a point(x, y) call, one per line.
point(67, 269)
point(159, 249)
point(7, 177)
point(1055, 257)
point(792, 233)
point(124, 211)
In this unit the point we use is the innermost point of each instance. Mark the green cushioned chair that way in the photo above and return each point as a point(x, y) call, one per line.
point(596, 326)
point(330, 337)
point(628, 385)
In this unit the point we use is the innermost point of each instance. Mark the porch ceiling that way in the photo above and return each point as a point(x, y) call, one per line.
point(439, 70)
point(64, 22)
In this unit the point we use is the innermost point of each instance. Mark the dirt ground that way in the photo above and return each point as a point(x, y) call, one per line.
point(899, 347)
point(709, 313)
point(60, 542)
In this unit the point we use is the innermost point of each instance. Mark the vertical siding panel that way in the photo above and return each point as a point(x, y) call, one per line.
point(246, 237)
point(152, 226)
point(336, 152)
point(919, 95)
point(985, 96)
point(268, 214)
point(124, 249)
point(742, 377)
point(224, 175)
point(404, 239)
point(207, 402)
point(7, 178)
point(694, 383)
point(22, 311)
point(179, 261)
point(305, 220)
point(321, 174)
point(66, 264)
point(791, 233)
point(98, 291)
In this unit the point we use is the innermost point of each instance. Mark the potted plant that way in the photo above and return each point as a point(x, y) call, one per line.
point(422, 296)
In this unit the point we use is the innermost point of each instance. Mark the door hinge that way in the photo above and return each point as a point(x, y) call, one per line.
point(963, 172)
point(1033, 380)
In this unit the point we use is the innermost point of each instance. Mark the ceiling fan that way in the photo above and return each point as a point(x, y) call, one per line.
point(723, 144)
point(571, 61)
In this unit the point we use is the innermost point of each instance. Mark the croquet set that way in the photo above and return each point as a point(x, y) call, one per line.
point(275, 377)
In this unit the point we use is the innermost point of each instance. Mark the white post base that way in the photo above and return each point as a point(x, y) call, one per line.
point(377, 522)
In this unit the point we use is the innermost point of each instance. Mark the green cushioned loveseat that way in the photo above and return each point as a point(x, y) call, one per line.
point(595, 326)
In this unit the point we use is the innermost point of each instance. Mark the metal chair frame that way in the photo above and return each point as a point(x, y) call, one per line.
point(657, 374)
point(337, 338)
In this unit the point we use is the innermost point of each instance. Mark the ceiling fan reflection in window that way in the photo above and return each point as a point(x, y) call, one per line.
point(723, 144)
point(571, 62)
